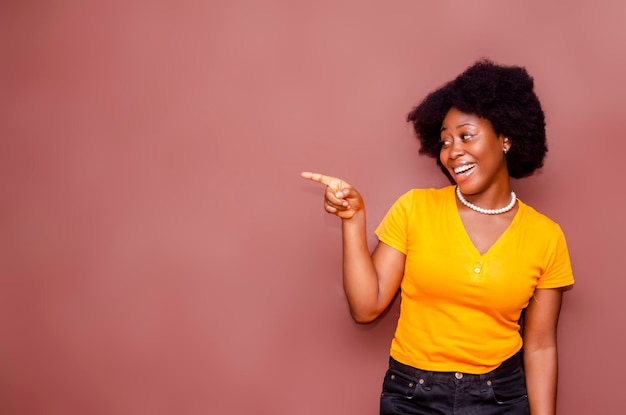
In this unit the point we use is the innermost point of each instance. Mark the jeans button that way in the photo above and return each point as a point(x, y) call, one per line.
point(458, 375)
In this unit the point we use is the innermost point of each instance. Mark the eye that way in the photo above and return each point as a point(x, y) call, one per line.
point(445, 143)
point(466, 136)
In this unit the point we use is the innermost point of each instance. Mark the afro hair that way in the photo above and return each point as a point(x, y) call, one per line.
point(501, 94)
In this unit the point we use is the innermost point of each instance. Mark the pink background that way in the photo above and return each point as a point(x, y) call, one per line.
point(159, 253)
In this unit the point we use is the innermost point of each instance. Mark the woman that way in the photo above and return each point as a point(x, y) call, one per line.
point(469, 258)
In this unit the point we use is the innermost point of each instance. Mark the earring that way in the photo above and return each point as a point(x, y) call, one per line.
point(504, 149)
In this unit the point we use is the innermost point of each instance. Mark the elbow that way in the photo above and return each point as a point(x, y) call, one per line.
point(362, 317)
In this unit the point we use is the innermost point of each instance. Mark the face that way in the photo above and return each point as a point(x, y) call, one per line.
point(472, 152)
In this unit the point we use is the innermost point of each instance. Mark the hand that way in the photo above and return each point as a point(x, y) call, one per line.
point(340, 198)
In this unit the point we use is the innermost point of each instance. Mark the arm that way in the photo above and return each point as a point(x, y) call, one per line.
point(540, 350)
point(370, 281)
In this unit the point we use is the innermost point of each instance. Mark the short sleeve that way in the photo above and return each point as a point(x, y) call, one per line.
point(393, 228)
point(558, 272)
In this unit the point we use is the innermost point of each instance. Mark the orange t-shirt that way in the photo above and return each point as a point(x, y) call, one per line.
point(460, 310)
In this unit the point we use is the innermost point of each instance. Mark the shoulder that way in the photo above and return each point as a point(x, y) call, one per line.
point(537, 221)
point(421, 203)
point(424, 196)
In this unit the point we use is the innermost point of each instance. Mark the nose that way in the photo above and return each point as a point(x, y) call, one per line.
point(456, 148)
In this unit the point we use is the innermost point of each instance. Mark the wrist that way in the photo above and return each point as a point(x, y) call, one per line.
point(358, 216)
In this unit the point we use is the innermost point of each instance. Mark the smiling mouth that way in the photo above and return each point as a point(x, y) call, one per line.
point(463, 169)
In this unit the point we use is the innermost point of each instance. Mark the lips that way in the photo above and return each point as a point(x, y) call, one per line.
point(464, 168)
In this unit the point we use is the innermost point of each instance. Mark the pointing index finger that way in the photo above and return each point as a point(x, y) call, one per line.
point(317, 177)
point(332, 182)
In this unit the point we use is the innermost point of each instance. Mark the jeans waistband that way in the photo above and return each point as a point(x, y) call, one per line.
point(505, 367)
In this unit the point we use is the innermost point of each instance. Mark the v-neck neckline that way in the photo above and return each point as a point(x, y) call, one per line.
point(464, 235)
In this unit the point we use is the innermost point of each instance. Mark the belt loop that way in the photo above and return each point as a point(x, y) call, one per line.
point(484, 382)
point(428, 380)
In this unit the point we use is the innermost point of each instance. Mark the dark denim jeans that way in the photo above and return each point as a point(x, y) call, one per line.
point(407, 390)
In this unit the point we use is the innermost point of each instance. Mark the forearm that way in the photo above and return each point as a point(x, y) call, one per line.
point(360, 279)
point(541, 369)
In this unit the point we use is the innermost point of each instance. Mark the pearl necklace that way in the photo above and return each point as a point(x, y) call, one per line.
point(486, 211)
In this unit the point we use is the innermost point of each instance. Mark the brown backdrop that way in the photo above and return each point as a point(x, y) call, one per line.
point(159, 253)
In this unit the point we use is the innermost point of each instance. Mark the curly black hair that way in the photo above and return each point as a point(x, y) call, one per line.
point(501, 94)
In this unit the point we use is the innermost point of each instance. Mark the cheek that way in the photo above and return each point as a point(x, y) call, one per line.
point(442, 157)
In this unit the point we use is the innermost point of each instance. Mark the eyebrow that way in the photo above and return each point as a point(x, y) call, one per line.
point(458, 126)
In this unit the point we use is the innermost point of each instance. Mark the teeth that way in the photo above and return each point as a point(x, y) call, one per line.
point(464, 168)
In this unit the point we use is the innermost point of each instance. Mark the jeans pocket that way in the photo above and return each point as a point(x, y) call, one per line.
point(510, 388)
point(398, 383)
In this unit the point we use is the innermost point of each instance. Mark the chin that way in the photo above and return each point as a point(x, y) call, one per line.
point(467, 188)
